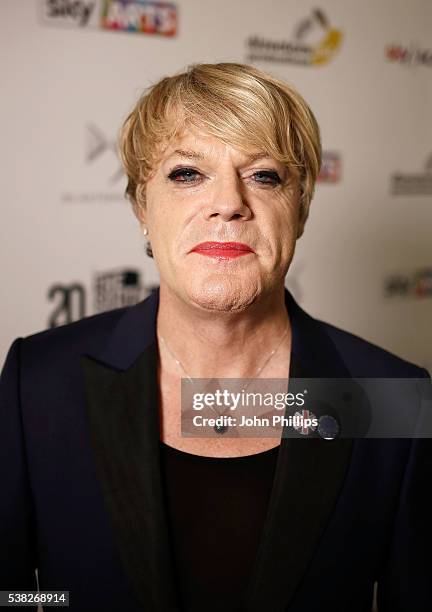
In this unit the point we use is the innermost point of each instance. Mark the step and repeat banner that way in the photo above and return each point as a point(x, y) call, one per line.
point(72, 70)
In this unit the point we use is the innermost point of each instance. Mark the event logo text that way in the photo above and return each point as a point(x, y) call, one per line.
point(314, 43)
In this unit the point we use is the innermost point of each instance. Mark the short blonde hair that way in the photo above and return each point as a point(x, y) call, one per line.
point(239, 104)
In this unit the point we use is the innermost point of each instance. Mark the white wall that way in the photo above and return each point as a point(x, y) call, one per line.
point(67, 87)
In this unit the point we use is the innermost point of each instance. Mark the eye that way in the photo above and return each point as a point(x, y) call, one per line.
point(267, 177)
point(183, 175)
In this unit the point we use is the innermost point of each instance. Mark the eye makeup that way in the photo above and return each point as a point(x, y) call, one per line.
point(186, 174)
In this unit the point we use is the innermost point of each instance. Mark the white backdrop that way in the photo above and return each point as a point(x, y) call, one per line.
point(70, 245)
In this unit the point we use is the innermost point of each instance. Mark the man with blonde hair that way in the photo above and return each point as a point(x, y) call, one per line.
point(102, 492)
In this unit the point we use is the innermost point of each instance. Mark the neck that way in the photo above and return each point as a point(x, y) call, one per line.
point(219, 344)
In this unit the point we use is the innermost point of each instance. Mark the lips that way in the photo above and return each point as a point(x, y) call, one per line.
point(222, 250)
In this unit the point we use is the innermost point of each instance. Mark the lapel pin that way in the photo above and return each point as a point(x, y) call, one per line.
point(328, 427)
point(304, 422)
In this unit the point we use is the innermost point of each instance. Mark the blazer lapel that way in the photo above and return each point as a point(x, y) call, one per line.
point(308, 479)
point(122, 406)
point(121, 401)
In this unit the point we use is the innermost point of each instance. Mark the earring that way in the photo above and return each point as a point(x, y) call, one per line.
point(148, 246)
point(149, 250)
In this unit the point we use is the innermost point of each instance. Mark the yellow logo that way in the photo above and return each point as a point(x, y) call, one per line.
point(323, 40)
point(314, 43)
point(328, 48)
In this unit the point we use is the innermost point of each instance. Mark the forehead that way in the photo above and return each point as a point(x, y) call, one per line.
point(200, 145)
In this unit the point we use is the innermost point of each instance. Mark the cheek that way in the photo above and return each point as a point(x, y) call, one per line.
point(280, 232)
point(158, 213)
point(166, 231)
point(283, 219)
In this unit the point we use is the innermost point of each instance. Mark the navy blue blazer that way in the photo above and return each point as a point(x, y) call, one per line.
point(81, 494)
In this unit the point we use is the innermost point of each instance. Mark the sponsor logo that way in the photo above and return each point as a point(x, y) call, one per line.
point(313, 43)
point(411, 55)
point(417, 284)
point(331, 168)
point(109, 289)
point(101, 166)
point(70, 303)
point(117, 288)
point(420, 183)
point(97, 145)
point(139, 16)
point(75, 13)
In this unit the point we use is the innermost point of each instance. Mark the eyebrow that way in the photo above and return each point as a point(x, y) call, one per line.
point(190, 154)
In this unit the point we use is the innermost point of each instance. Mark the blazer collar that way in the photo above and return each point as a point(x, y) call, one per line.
point(136, 330)
point(121, 397)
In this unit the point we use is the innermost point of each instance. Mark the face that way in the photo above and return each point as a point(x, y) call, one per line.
point(222, 223)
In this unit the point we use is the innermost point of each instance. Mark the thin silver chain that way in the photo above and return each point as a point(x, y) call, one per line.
point(257, 373)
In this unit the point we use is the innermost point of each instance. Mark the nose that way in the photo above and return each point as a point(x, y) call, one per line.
point(227, 200)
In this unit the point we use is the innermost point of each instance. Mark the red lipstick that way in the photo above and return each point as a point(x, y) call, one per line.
point(222, 250)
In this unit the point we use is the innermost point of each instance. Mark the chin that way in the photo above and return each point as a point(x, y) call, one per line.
point(223, 294)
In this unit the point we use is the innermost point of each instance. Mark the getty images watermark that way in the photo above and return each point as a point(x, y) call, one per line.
point(310, 407)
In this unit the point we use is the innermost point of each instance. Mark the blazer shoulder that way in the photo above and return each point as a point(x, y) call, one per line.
point(367, 359)
point(67, 341)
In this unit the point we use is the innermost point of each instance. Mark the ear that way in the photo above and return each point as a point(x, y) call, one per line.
point(140, 214)
point(139, 206)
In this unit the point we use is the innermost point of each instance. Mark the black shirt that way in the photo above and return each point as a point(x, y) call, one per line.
point(216, 509)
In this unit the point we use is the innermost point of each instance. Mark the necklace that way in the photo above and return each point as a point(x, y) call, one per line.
point(221, 429)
